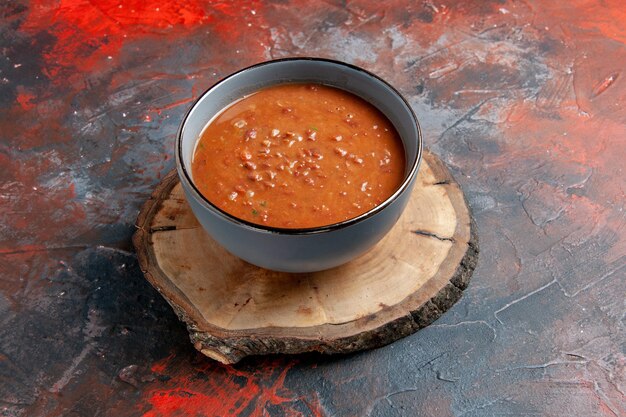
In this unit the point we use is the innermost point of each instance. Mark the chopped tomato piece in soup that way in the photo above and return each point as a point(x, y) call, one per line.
point(298, 156)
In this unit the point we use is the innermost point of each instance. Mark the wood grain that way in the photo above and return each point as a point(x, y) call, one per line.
point(234, 309)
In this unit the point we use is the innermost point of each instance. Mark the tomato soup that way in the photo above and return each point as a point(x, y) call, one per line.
point(298, 156)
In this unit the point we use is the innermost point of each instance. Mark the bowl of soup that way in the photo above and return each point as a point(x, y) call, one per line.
point(300, 164)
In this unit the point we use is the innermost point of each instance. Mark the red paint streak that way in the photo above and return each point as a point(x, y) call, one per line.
point(23, 249)
point(173, 104)
point(90, 34)
point(605, 84)
point(25, 100)
point(213, 389)
point(179, 400)
point(159, 367)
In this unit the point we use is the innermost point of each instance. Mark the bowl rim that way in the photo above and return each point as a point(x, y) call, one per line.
point(186, 178)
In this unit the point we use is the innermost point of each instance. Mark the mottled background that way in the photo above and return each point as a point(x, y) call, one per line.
point(524, 100)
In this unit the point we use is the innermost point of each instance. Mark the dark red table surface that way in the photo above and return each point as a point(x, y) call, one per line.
point(524, 100)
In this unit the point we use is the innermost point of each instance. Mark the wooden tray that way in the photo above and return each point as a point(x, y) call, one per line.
point(233, 309)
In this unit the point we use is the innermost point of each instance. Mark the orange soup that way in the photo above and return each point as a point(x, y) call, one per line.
point(298, 156)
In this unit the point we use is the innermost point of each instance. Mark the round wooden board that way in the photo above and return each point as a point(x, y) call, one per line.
point(234, 309)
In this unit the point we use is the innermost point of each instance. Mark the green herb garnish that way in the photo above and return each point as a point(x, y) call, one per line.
point(254, 212)
point(313, 128)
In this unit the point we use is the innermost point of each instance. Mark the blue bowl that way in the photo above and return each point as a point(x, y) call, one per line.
point(307, 249)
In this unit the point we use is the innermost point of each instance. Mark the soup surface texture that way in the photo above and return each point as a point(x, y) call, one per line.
point(298, 156)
